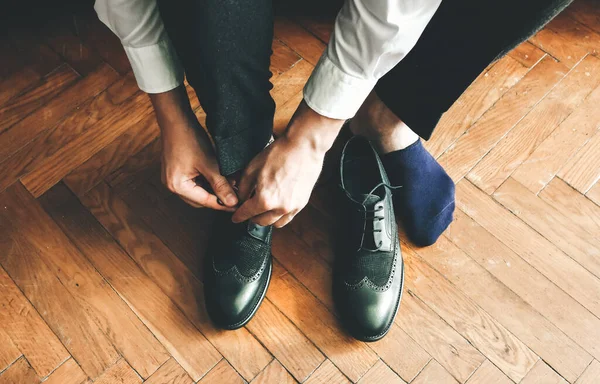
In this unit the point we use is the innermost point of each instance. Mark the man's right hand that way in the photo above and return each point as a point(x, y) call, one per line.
point(187, 154)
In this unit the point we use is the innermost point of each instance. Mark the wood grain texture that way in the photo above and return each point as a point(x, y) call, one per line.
point(591, 374)
point(523, 279)
point(381, 373)
point(121, 373)
point(9, 352)
point(483, 93)
point(27, 330)
point(582, 171)
point(434, 373)
point(539, 334)
point(566, 140)
point(527, 54)
point(539, 123)
point(594, 194)
point(19, 373)
point(68, 373)
point(170, 373)
point(54, 111)
point(174, 278)
point(543, 374)
point(488, 373)
point(327, 373)
point(501, 118)
point(222, 373)
point(573, 204)
point(274, 373)
point(494, 340)
point(74, 326)
point(553, 224)
point(563, 271)
point(168, 324)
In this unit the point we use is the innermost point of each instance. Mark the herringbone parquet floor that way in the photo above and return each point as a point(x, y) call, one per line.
point(100, 266)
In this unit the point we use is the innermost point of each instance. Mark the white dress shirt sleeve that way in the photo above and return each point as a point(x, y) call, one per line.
point(139, 26)
point(370, 37)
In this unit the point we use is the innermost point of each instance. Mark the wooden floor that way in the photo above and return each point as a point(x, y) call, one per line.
point(100, 266)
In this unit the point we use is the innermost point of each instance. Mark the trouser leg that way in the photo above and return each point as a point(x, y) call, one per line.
point(462, 39)
point(225, 48)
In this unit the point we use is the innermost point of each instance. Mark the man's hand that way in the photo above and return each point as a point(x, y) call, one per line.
point(187, 154)
point(278, 181)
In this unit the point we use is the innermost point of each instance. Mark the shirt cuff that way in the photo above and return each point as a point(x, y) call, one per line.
point(333, 93)
point(156, 67)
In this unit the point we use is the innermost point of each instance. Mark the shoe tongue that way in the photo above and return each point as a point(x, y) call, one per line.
point(369, 200)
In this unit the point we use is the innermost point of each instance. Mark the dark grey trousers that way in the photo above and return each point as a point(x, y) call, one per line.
point(225, 47)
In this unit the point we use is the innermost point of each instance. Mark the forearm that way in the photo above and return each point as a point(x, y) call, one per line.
point(308, 128)
point(171, 108)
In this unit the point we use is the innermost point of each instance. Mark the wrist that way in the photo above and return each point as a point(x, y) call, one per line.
point(308, 128)
point(172, 109)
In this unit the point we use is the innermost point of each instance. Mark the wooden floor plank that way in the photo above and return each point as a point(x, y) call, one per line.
point(543, 374)
point(591, 374)
point(122, 327)
point(494, 341)
point(585, 12)
point(474, 102)
point(113, 156)
point(562, 231)
point(582, 170)
point(19, 373)
point(434, 373)
point(137, 168)
point(174, 278)
point(101, 133)
point(579, 34)
point(289, 346)
point(527, 54)
point(27, 331)
point(539, 334)
point(170, 373)
point(525, 137)
point(327, 373)
point(544, 256)
point(17, 83)
point(68, 373)
point(222, 373)
point(74, 326)
point(573, 204)
point(533, 287)
point(566, 140)
point(283, 58)
point(302, 42)
point(53, 140)
point(274, 373)
point(319, 325)
point(170, 326)
point(594, 194)
point(54, 111)
point(501, 118)
point(488, 373)
point(381, 373)
point(48, 88)
point(9, 352)
point(120, 373)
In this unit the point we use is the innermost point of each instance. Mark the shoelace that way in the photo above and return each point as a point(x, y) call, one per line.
point(373, 218)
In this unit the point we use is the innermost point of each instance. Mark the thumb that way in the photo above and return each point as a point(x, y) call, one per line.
point(224, 191)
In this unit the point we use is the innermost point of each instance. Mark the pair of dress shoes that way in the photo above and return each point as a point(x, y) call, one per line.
point(368, 272)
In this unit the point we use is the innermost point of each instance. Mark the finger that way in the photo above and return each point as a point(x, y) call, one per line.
point(284, 220)
point(247, 183)
point(199, 196)
point(266, 218)
point(248, 209)
point(224, 190)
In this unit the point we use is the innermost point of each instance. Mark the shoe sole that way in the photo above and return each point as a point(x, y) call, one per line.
point(242, 323)
point(370, 339)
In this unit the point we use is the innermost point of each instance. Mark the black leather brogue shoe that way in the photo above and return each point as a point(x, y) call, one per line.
point(368, 276)
point(238, 270)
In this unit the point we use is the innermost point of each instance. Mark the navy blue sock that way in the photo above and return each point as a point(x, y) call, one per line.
point(425, 203)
